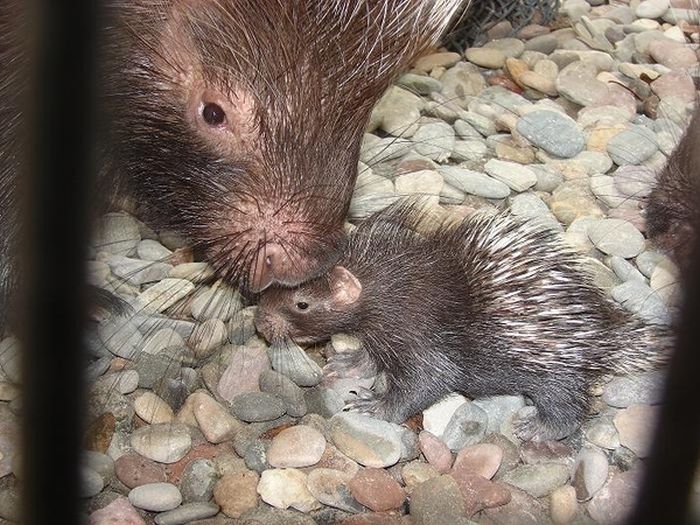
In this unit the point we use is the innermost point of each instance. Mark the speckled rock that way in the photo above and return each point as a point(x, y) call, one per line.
point(236, 492)
point(284, 488)
point(376, 489)
point(164, 443)
point(297, 446)
point(120, 511)
point(369, 441)
point(538, 480)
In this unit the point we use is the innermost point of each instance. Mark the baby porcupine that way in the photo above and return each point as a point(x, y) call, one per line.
point(490, 305)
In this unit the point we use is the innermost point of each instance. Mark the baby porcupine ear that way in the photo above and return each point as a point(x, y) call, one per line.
point(345, 288)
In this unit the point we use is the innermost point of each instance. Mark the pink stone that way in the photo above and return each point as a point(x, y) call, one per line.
point(435, 451)
point(119, 512)
point(483, 459)
point(376, 489)
point(480, 493)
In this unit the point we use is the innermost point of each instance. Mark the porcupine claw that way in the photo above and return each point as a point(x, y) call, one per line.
point(367, 402)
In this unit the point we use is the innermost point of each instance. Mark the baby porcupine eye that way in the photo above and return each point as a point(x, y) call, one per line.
point(301, 305)
point(213, 114)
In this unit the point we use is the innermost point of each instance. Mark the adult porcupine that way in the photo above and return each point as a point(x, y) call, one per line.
point(674, 203)
point(491, 305)
point(236, 122)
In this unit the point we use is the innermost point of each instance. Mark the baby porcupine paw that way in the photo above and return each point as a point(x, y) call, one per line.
point(368, 402)
point(530, 426)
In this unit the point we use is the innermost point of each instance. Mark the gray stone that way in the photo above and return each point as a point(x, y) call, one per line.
point(290, 360)
point(155, 497)
point(257, 406)
point(467, 427)
point(645, 388)
point(519, 178)
point(370, 442)
point(639, 298)
point(283, 388)
point(616, 237)
point(632, 146)
point(538, 480)
point(188, 513)
point(474, 182)
point(198, 480)
point(552, 131)
point(435, 140)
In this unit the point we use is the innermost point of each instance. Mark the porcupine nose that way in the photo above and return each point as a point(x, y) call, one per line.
point(268, 266)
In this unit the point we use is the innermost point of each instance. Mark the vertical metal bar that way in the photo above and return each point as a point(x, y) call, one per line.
point(664, 496)
point(60, 162)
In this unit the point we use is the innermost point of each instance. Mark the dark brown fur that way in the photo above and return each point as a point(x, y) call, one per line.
point(264, 193)
point(492, 305)
point(673, 206)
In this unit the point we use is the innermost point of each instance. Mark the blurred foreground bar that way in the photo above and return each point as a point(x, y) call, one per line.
point(61, 110)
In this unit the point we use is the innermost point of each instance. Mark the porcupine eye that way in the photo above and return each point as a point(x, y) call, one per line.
point(213, 114)
point(301, 305)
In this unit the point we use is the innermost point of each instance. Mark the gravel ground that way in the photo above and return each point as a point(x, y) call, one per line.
point(194, 419)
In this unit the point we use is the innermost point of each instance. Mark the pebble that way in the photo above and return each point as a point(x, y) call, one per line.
point(91, 482)
point(119, 511)
point(501, 411)
point(370, 442)
point(437, 416)
point(573, 200)
point(466, 427)
point(434, 140)
point(616, 499)
point(152, 409)
point(376, 489)
point(237, 492)
point(398, 112)
point(483, 459)
point(162, 295)
point(436, 60)
point(635, 425)
point(625, 270)
point(151, 250)
point(519, 178)
point(121, 336)
point(474, 182)
point(284, 488)
point(590, 472)
point(283, 388)
point(639, 298)
point(188, 513)
point(134, 470)
point(486, 57)
point(633, 145)
point(117, 233)
point(323, 401)
point(539, 479)
point(161, 340)
point(421, 84)
point(207, 337)
point(643, 388)
point(577, 82)
point(257, 406)
point(137, 272)
point(616, 237)
point(479, 493)
point(216, 303)
point(435, 451)
point(196, 272)
point(469, 150)
point(123, 382)
point(298, 446)
point(243, 373)
point(164, 442)
point(329, 486)
point(673, 55)
point(291, 361)
point(437, 502)
point(462, 82)
point(198, 480)
point(601, 432)
point(552, 131)
point(423, 182)
point(155, 497)
point(416, 472)
point(562, 505)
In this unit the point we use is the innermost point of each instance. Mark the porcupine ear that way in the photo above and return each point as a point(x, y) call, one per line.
point(345, 288)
